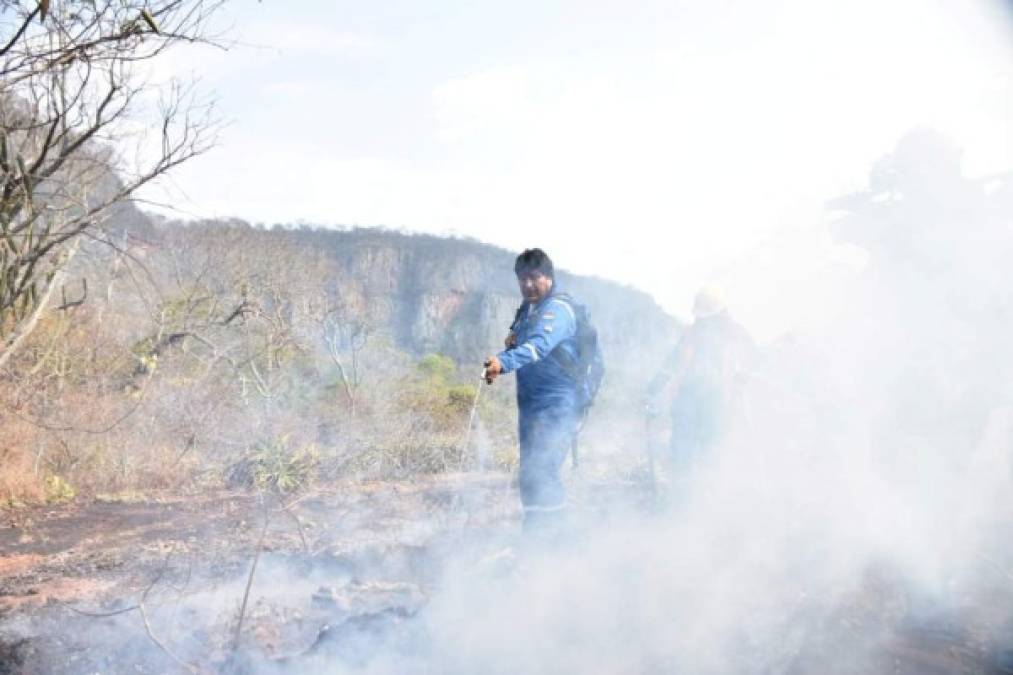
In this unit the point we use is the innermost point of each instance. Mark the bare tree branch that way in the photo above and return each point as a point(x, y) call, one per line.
point(66, 92)
point(249, 581)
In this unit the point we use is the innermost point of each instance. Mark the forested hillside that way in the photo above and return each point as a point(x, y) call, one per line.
point(218, 353)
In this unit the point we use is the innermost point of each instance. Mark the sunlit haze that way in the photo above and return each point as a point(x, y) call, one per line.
point(661, 144)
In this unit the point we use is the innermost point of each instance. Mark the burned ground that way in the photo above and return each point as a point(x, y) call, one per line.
point(72, 577)
point(350, 580)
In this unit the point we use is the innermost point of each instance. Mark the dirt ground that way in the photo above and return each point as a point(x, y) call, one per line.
point(82, 566)
point(158, 585)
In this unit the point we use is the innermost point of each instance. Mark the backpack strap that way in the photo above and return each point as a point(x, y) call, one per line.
point(570, 363)
point(568, 302)
point(518, 315)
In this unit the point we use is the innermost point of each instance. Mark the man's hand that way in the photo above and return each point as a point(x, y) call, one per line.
point(492, 369)
point(511, 340)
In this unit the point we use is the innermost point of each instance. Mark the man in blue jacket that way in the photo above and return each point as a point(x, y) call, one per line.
point(540, 344)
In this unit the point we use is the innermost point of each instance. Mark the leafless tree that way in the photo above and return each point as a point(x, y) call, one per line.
point(344, 333)
point(72, 87)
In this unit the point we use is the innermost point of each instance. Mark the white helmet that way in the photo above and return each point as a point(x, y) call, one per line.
point(709, 301)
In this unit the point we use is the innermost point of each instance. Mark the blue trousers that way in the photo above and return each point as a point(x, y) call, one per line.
point(546, 436)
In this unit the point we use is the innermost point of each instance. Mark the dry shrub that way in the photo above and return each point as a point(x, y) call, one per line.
point(276, 465)
point(19, 480)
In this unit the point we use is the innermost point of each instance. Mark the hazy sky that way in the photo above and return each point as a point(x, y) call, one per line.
point(662, 144)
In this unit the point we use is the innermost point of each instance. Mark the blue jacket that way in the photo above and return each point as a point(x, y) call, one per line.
point(542, 331)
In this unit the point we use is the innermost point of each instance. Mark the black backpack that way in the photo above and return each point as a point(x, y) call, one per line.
point(588, 369)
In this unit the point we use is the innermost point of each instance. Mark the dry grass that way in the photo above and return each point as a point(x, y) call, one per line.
point(19, 479)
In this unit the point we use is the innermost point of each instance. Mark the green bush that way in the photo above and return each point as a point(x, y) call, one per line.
point(437, 368)
point(461, 397)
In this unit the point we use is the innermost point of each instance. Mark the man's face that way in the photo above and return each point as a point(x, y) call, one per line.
point(534, 286)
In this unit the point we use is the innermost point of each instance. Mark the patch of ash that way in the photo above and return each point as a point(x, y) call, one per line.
point(367, 565)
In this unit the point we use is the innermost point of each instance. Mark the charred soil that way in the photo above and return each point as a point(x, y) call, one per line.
point(241, 583)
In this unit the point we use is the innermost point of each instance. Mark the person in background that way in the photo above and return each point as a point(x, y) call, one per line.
point(699, 382)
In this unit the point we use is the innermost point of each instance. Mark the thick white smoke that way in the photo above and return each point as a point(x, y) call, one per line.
point(853, 521)
point(859, 498)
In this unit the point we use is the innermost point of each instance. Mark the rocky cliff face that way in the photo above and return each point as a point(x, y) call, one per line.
point(458, 297)
point(425, 293)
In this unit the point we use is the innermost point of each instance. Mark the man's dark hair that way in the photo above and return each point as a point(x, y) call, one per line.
point(534, 260)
